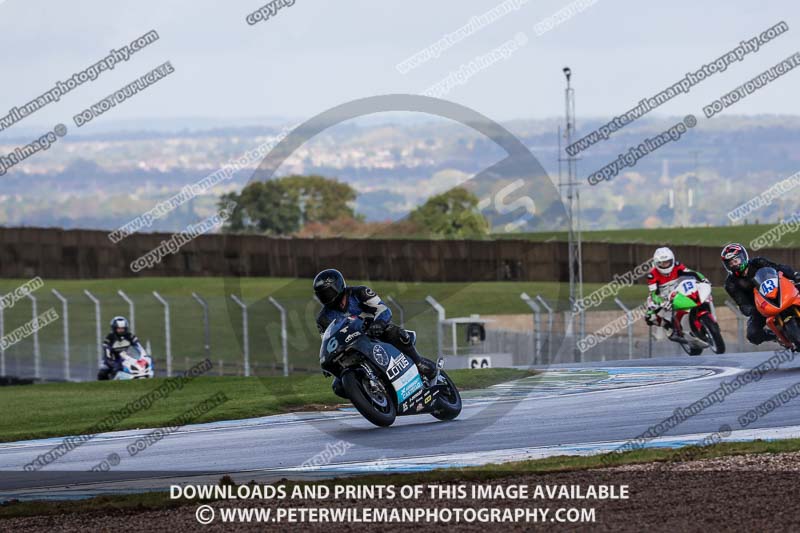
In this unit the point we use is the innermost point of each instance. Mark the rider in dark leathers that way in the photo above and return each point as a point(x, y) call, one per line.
point(339, 300)
point(740, 285)
point(120, 338)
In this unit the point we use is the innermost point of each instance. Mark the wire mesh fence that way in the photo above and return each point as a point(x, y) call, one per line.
point(262, 338)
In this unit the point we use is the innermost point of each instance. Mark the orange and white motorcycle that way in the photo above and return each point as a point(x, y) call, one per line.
point(778, 299)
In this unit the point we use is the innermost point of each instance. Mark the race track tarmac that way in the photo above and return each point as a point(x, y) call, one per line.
point(570, 409)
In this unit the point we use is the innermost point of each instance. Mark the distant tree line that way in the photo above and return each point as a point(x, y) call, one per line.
point(316, 206)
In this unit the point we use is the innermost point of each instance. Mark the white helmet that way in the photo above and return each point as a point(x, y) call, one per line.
point(664, 260)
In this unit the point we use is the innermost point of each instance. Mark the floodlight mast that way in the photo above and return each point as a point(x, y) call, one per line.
point(571, 190)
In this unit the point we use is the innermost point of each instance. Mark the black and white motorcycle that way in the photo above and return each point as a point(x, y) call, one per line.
point(379, 380)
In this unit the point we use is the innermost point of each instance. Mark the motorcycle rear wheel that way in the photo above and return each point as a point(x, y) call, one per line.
point(374, 404)
point(691, 350)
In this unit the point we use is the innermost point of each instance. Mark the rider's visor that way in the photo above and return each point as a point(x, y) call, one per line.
point(734, 262)
point(326, 295)
point(665, 264)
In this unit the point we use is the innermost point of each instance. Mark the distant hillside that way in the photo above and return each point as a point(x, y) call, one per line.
point(103, 181)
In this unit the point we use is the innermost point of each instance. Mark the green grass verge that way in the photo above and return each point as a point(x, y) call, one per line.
point(160, 500)
point(60, 409)
point(703, 236)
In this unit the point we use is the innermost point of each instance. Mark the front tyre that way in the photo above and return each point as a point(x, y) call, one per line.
point(791, 330)
point(448, 403)
point(370, 399)
point(713, 334)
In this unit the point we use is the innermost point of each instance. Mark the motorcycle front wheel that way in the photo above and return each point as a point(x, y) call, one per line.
point(713, 334)
point(449, 400)
point(371, 399)
point(791, 330)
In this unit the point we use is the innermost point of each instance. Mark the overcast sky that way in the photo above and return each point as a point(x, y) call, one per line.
point(317, 54)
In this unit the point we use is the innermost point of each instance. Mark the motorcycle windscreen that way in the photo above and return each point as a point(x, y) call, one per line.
point(766, 282)
point(404, 377)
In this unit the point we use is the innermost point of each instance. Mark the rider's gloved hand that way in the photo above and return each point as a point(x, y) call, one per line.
point(376, 329)
point(650, 319)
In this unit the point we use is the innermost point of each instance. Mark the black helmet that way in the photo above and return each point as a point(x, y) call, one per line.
point(119, 322)
point(734, 258)
point(329, 286)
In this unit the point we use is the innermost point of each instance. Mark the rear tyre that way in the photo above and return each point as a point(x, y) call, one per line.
point(713, 334)
point(448, 403)
point(371, 400)
point(691, 350)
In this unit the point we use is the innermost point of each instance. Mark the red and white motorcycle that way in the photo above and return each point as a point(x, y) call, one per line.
point(693, 308)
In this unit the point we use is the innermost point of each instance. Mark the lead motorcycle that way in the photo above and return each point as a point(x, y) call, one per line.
point(778, 299)
point(380, 381)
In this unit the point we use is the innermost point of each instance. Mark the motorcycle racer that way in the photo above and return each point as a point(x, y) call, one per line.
point(118, 340)
point(338, 300)
point(661, 280)
point(739, 285)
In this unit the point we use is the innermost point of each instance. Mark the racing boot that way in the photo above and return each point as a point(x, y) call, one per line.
point(401, 339)
point(425, 366)
point(675, 335)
